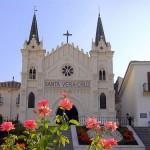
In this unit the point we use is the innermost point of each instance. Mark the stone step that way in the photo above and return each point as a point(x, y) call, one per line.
point(69, 136)
point(144, 135)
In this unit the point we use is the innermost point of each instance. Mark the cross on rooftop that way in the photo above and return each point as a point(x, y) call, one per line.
point(34, 9)
point(67, 34)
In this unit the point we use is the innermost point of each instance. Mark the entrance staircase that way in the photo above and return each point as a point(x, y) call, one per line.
point(144, 135)
point(69, 136)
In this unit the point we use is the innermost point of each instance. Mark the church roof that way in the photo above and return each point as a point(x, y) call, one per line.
point(34, 30)
point(99, 31)
point(10, 84)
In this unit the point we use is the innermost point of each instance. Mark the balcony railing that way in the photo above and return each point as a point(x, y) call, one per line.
point(146, 88)
point(1, 100)
point(17, 101)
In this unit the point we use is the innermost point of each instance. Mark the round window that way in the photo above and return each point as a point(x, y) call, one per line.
point(67, 70)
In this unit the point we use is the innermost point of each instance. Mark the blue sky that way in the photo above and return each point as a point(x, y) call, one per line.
point(126, 25)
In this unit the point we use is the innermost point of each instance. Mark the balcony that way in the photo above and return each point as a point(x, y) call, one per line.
point(17, 101)
point(146, 88)
point(1, 100)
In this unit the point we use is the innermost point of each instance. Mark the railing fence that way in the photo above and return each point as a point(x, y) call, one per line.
point(120, 120)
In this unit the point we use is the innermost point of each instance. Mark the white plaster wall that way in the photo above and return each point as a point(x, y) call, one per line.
point(9, 108)
point(143, 101)
point(85, 67)
point(128, 97)
point(133, 100)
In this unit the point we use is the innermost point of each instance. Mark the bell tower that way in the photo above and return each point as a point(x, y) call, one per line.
point(32, 72)
point(103, 95)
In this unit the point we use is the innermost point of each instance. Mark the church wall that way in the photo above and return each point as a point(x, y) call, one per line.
point(66, 50)
point(8, 108)
point(79, 97)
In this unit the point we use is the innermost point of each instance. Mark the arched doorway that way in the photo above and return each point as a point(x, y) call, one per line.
point(72, 113)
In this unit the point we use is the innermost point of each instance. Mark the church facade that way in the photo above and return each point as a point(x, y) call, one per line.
point(87, 78)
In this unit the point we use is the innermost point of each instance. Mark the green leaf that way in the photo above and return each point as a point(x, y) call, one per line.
point(74, 122)
point(39, 121)
point(21, 137)
point(64, 140)
point(59, 132)
point(43, 143)
point(49, 137)
point(46, 125)
point(57, 118)
point(33, 135)
point(56, 141)
point(64, 126)
point(53, 129)
point(26, 132)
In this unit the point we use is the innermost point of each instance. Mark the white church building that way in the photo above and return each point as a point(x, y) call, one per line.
point(87, 78)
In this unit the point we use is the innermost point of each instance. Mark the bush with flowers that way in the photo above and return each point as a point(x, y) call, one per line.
point(128, 138)
point(99, 142)
point(40, 136)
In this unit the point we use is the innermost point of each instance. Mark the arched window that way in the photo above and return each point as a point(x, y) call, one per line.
point(1, 99)
point(102, 74)
point(102, 101)
point(18, 99)
point(32, 73)
point(31, 100)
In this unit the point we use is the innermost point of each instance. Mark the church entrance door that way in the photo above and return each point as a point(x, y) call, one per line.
point(72, 113)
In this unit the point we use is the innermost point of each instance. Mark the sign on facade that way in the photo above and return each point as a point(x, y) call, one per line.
point(143, 115)
point(71, 84)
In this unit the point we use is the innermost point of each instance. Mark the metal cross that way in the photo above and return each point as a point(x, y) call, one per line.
point(67, 34)
point(34, 9)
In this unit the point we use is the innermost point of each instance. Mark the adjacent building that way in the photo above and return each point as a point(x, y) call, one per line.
point(135, 92)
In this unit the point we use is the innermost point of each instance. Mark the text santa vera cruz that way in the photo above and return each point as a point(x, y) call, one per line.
point(71, 84)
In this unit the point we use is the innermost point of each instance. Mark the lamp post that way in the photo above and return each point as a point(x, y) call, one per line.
point(130, 119)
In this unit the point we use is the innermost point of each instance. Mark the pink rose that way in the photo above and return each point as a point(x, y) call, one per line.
point(64, 95)
point(112, 141)
point(30, 124)
point(65, 103)
point(7, 126)
point(110, 125)
point(43, 103)
point(92, 123)
point(105, 143)
point(44, 111)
